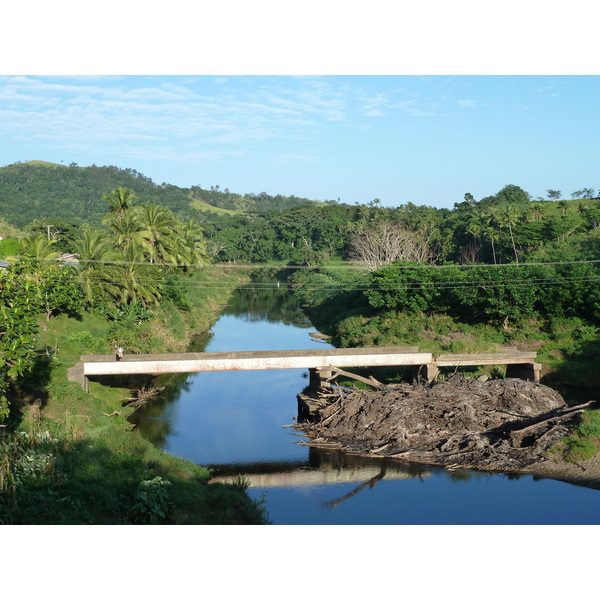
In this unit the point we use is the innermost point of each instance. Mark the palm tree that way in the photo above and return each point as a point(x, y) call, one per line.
point(564, 207)
point(490, 219)
point(136, 279)
point(39, 248)
point(511, 218)
point(160, 237)
point(119, 201)
point(192, 248)
point(96, 268)
point(492, 233)
point(127, 232)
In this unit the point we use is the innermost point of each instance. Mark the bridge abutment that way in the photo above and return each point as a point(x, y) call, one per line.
point(317, 377)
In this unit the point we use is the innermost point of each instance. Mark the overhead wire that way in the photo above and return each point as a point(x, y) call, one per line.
point(354, 287)
point(340, 286)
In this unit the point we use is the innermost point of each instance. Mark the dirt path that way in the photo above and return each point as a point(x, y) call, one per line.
point(502, 425)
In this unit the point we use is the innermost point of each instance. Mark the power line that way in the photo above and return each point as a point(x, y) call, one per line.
point(414, 286)
point(338, 286)
point(347, 265)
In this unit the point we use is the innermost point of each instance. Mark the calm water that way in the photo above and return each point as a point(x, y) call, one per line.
point(238, 422)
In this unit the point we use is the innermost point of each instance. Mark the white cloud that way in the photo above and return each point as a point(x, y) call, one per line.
point(468, 103)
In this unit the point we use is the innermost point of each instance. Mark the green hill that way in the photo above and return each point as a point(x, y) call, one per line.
point(43, 190)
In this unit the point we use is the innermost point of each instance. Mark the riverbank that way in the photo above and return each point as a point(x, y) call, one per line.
point(71, 457)
point(567, 348)
point(585, 472)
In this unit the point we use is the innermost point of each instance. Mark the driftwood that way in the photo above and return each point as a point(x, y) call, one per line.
point(143, 396)
point(501, 424)
point(517, 435)
point(369, 381)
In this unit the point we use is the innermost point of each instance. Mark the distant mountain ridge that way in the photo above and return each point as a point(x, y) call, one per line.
point(43, 190)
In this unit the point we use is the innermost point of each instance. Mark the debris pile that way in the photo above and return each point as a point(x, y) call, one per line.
point(495, 425)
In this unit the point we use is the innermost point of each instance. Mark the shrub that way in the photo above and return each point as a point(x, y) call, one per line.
point(84, 338)
point(151, 501)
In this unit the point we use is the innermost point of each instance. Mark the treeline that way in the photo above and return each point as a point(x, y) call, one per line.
point(504, 295)
point(40, 191)
point(132, 261)
point(262, 202)
point(505, 228)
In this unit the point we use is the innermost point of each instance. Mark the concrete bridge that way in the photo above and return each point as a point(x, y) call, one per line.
point(319, 362)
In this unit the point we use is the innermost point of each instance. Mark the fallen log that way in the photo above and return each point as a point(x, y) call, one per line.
point(517, 435)
point(369, 381)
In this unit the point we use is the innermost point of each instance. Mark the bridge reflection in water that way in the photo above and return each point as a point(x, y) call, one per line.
point(323, 468)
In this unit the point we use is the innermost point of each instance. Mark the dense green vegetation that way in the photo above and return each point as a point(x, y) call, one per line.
point(67, 456)
point(100, 255)
point(71, 457)
point(54, 193)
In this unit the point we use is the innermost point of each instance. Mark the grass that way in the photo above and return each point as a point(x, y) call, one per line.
point(205, 207)
point(71, 457)
point(582, 443)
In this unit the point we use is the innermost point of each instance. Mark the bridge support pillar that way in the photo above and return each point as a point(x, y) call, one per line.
point(318, 377)
point(427, 373)
point(527, 371)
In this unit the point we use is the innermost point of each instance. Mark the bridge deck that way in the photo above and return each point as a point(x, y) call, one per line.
point(253, 360)
point(508, 357)
point(519, 364)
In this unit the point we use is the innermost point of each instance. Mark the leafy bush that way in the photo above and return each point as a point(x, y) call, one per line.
point(87, 341)
point(9, 247)
point(151, 501)
point(133, 313)
point(590, 424)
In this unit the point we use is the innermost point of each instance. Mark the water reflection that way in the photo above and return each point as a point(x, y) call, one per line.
point(322, 468)
point(239, 423)
point(265, 300)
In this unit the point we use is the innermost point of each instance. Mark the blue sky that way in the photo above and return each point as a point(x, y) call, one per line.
point(421, 139)
point(403, 103)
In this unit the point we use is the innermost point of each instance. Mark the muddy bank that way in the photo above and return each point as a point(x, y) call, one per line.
point(505, 425)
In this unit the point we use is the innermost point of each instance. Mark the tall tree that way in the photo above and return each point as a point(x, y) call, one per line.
point(127, 232)
point(159, 236)
point(192, 248)
point(96, 266)
point(510, 218)
point(119, 201)
point(19, 307)
point(383, 243)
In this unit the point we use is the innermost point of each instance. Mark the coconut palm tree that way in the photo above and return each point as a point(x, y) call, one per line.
point(39, 248)
point(564, 207)
point(127, 232)
point(490, 223)
point(192, 248)
point(510, 218)
point(119, 201)
point(96, 265)
point(493, 234)
point(160, 237)
point(137, 281)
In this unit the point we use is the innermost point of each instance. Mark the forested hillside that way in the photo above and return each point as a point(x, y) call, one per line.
point(40, 190)
point(507, 227)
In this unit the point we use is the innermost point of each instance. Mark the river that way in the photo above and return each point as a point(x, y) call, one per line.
point(241, 423)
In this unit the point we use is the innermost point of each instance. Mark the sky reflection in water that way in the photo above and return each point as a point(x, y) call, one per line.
point(239, 418)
